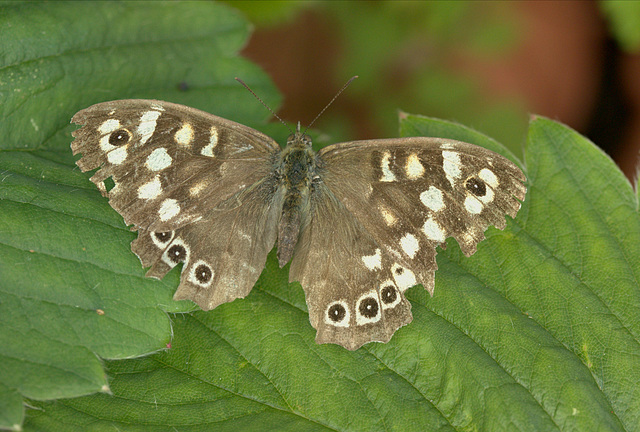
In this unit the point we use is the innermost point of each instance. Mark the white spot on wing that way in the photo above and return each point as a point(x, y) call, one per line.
point(387, 174)
point(451, 165)
point(373, 262)
point(168, 209)
point(158, 160)
point(117, 156)
point(410, 245)
point(414, 168)
point(184, 135)
point(105, 145)
point(389, 218)
point(197, 188)
point(433, 230)
point(473, 205)
point(147, 125)
point(109, 126)
point(432, 199)
point(151, 189)
point(213, 142)
point(489, 177)
point(488, 197)
point(404, 277)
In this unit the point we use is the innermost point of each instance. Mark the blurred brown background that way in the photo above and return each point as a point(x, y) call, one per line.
point(485, 64)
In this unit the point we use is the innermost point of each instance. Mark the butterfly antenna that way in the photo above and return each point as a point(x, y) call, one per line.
point(330, 102)
point(264, 104)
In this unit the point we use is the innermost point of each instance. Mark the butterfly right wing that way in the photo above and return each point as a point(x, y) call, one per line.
point(412, 193)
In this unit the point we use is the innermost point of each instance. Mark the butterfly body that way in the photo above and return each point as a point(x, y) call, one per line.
point(296, 171)
point(359, 221)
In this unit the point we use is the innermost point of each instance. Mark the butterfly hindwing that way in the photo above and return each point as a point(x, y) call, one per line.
point(411, 194)
point(353, 288)
point(223, 254)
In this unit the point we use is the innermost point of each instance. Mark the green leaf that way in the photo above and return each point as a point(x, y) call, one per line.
point(71, 292)
point(624, 18)
point(537, 331)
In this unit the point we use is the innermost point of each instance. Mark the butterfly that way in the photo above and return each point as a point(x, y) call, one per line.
point(359, 221)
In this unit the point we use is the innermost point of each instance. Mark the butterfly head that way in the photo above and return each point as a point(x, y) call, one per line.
point(299, 139)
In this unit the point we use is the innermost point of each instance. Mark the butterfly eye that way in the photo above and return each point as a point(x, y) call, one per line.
point(389, 294)
point(336, 313)
point(476, 186)
point(119, 137)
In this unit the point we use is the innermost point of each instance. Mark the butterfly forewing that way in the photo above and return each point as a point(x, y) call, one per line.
point(170, 164)
point(411, 194)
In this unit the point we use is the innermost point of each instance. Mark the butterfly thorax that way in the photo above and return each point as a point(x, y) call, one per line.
point(296, 171)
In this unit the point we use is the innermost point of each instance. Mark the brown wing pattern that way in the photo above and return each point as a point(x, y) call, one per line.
point(198, 188)
point(171, 164)
point(354, 289)
point(413, 193)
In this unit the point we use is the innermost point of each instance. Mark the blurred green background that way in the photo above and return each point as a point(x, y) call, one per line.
point(488, 65)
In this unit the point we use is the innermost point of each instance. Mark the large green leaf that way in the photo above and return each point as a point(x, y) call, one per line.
point(537, 331)
point(71, 292)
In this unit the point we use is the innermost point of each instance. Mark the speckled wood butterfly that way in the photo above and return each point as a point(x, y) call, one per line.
point(359, 221)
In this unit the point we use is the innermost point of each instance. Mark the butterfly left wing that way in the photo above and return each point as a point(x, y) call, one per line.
point(410, 194)
point(198, 188)
point(353, 288)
